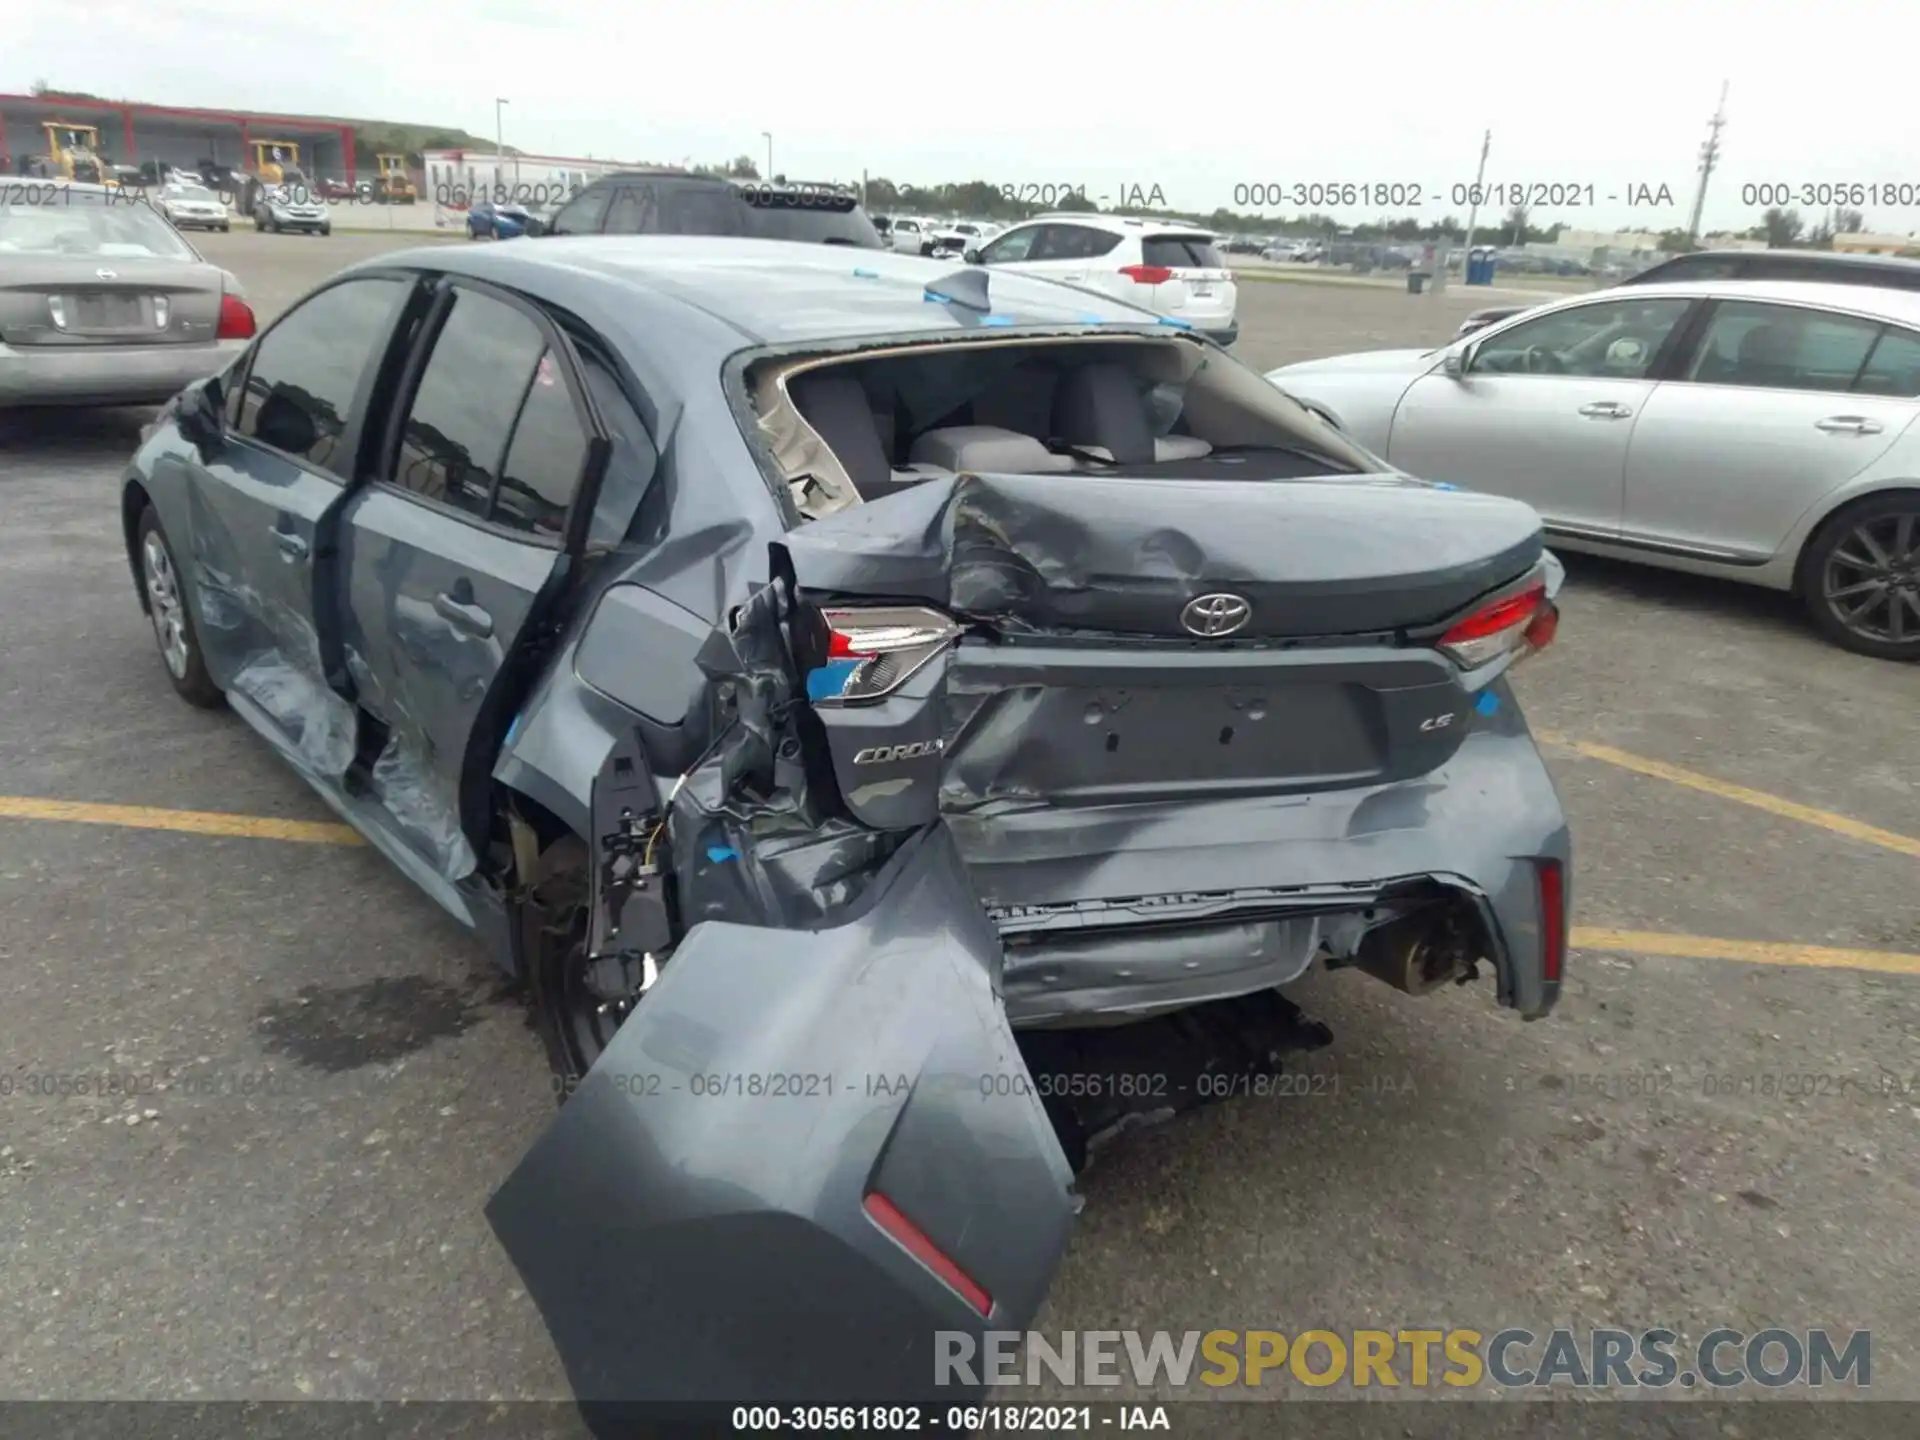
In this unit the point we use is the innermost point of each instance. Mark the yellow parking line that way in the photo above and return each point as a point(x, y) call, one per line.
point(259, 827)
point(1753, 952)
point(1759, 799)
point(195, 822)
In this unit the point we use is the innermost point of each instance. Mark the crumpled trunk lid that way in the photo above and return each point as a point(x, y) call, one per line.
point(1310, 558)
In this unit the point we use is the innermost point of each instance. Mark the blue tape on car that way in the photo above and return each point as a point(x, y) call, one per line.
point(938, 298)
point(1176, 324)
point(830, 679)
point(512, 730)
point(1488, 703)
point(996, 320)
point(719, 854)
point(1093, 319)
point(866, 274)
point(1443, 485)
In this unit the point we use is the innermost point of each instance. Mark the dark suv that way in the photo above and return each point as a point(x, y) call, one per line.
point(1887, 272)
point(678, 202)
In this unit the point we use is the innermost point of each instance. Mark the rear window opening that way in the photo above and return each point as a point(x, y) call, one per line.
point(860, 429)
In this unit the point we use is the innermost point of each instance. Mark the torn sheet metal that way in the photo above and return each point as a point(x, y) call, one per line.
point(405, 788)
point(1124, 555)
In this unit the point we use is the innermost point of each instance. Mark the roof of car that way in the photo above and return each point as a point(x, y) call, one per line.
point(778, 291)
point(1823, 257)
point(1121, 224)
point(1898, 305)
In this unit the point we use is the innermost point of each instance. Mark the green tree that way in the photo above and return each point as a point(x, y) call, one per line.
point(1780, 228)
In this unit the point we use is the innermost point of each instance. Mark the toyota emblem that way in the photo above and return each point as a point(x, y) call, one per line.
point(107, 274)
point(1215, 616)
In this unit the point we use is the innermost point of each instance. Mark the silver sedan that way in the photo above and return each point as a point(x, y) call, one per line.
point(104, 302)
point(1761, 431)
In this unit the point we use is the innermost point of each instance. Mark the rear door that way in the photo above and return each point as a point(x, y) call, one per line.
point(261, 502)
point(1544, 410)
point(1778, 406)
point(584, 214)
point(449, 553)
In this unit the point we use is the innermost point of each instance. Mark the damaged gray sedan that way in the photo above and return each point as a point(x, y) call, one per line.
point(902, 726)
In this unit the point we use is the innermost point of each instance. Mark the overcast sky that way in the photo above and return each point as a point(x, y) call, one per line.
point(1197, 99)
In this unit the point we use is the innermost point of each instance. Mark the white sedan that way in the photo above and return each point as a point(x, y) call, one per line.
point(194, 207)
point(1762, 431)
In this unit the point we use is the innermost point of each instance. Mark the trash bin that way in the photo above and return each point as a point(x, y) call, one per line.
point(1416, 282)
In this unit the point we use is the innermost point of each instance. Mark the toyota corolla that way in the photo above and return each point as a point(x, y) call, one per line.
point(861, 700)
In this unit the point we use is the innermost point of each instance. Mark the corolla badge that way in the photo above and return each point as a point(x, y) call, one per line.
point(1215, 616)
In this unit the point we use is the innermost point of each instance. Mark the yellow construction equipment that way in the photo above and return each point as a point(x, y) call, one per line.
point(277, 162)
point(74, 151)
point(395, 185)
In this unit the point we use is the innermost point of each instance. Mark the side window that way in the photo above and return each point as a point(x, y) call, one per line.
point(483, 366)
point(1014, 245)
point(633, 460)
point(544, 457)
point(1778, 347)
point(582, 214)
point(1894, 366)
point(1727, 265)
point(627, 214)
point(307, 368)
point(1071, 242)
point(1614, 339)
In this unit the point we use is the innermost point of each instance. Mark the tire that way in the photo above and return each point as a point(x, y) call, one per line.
point(172, 618)
point(1890, 525)
point(554, 931)
point(326, 229)
point(225, 228)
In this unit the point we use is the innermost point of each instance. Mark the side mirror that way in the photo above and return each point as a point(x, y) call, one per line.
point(201, 415)
point(1454, 364)
point(971, 255)
point(534, 225)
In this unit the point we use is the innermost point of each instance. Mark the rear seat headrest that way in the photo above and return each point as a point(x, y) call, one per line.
point(837, 407)
point(986, 448)
point(1104, 405)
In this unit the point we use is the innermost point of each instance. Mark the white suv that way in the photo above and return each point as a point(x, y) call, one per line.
point(908, 233)
point(1168, 268)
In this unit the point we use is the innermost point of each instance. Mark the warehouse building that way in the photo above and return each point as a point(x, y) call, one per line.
point(131, 133)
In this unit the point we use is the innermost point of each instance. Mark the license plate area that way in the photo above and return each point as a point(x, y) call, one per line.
point(107, 314)
point(1102, 744)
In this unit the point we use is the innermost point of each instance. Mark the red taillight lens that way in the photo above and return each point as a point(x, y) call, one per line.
point(871, 651)
point(1147, 274)
point(236, 319)
point(916, 1243)
point(1501, 626)
point(1553, 917)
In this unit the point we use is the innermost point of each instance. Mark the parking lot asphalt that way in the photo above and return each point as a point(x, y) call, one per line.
point(312, 1081)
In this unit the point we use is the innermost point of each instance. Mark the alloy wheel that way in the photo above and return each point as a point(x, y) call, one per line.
point(1871, 580)
point(165, 605)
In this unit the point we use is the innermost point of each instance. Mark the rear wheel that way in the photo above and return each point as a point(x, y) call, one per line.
point(1860, 577)
point(173, 630)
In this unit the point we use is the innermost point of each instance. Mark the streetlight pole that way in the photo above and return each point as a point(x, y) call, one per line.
point(1473, 200)
point(499, 150)
point(767, 135)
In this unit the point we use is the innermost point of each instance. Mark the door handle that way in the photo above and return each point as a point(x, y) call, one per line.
point(463, 615)
point(292, 547)
point(1848, 425)
point(1606, 410)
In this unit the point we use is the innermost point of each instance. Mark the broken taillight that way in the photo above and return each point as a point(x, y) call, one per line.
point(872, 650)
point(918, 1244)
point(1523, 622)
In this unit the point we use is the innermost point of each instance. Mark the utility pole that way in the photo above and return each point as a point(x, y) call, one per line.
point(767, 135)
point(1709, 157)
point(499, 150)
point(1473, 200)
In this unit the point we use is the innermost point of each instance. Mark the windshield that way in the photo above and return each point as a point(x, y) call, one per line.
point(62, 221)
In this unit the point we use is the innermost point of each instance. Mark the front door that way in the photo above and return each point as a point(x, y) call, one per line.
point(446, 554)
point(1543, 410)
point(259, 498)
point(1779, 406)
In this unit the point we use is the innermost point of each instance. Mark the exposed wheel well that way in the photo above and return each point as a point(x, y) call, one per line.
point(134, 500)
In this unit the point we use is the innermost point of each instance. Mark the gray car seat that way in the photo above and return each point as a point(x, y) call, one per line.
point(1102, 408)
point(838, 409)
